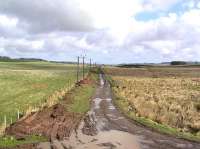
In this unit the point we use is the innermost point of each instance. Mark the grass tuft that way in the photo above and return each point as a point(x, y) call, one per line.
point(9, 142)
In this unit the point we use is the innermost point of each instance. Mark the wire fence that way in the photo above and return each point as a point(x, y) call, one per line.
point(8, 119)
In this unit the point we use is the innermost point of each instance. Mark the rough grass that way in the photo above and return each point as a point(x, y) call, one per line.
point(162, 128)
point(9, 142)
point(167, 100)
point(82, 95)
point(25, 86)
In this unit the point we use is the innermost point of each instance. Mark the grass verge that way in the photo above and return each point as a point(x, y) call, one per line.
point(82, 94)
point(10, 142)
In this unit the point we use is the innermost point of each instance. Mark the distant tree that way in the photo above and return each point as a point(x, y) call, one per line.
point(8, 59)
point(4, 57)
point(178, 63)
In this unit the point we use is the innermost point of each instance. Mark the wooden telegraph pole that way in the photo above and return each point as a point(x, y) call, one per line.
point(78, 69)
point(83, 67)
point(90, 64)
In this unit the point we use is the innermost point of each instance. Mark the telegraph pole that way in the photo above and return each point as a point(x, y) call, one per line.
point(78, 69)
point(83, 67)
point(90, 64)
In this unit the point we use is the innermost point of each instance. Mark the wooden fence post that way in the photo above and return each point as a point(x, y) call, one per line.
point(17, 114)
point(5, 121)
point(77, 70)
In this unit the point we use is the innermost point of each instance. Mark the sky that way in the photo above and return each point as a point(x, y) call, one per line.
point(108, 31)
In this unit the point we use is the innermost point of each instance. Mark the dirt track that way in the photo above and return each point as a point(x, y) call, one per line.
point(105, 127)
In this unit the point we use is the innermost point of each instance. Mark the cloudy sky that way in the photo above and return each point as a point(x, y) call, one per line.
point(108, 31)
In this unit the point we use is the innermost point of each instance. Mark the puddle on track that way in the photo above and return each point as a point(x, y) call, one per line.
point(104, 139)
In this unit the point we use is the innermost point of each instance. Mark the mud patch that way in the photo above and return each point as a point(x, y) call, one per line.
point(53, 123)
point(110, 145)
point(39, 86)
point(104, 139)
point(90, 125)
point(85, 81)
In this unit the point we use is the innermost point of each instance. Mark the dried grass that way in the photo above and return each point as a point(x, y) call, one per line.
point(171, 101)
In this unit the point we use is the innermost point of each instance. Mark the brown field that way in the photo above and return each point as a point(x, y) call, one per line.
point(167, 95)
point(155, 72)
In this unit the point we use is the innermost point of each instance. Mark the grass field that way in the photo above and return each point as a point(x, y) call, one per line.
point(28, 85)
point(169, 96)
point(76, 101)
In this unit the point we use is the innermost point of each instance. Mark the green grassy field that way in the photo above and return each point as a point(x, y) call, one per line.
point(30, 84)
point(77, 100)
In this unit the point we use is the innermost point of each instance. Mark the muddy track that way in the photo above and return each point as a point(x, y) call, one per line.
point(104, 127)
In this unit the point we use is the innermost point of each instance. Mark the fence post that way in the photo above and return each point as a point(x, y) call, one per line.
point(5, 121)
point(77, 70)
point(83, 67)
point(17, 114)
point(90, 64)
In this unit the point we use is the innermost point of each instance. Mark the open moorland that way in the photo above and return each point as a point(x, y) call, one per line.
point(169, 96)
point(29, 86)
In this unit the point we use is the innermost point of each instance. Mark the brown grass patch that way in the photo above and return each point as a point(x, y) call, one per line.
point(171, 101)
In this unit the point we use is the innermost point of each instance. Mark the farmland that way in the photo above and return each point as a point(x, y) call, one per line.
point(169, 96)
point(27, 86)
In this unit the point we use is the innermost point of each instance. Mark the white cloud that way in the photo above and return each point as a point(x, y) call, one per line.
point(9, 28)
point(21, 45)
point(111, 13)
point(45, 15)
point(71, 15)
point(8, 22)
point(192, 17)
point(105, 29)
